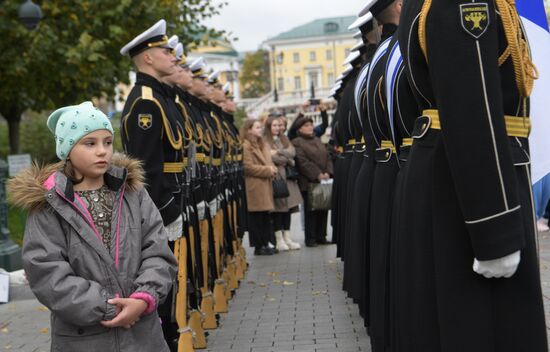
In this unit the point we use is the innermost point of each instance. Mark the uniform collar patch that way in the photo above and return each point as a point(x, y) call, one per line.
point(474, 18)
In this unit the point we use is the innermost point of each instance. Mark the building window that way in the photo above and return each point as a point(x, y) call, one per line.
point(312, 56)
point(330, 79)
point(297, 83)
point(296, 57)
point(347, 52)
point(314, 79)
point(281, 84)
point(331, 27)
point(329, 54)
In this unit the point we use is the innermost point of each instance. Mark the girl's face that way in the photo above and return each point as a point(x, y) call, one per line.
point(276, 127)
point(256, 129)
point(91, 156)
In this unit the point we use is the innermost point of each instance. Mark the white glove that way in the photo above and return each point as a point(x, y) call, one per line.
point(201, 209)
point(174, 230)
point(501, 267)
point(213, 205)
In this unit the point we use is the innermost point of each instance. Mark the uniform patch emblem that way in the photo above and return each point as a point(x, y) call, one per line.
point(474, 18)
point(145, 121)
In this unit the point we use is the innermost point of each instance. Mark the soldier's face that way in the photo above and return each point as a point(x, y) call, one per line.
point(185, 78)
point(218, 95)
point(198, 88)
point(163, 61)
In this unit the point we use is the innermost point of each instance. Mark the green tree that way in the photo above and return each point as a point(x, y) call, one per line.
point(74, 55)
point(255, 79)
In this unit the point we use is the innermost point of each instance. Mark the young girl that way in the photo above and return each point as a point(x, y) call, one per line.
point(95, 249)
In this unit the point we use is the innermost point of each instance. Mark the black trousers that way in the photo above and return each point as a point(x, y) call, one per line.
point(315, 222)
point(260, 228)
point(281, 221)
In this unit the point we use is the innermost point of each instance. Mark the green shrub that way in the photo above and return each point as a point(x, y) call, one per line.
point(16, 224)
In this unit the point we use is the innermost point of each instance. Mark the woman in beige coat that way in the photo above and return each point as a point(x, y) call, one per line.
point(282, 155)
point(258, 174)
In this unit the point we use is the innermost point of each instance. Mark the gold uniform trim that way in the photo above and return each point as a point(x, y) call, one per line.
point(147, 94)
point(173, 167)
point(351, 141)
point(516, 126)
point(164, 41)
point(200, 157)
point(387, 145)
point(406, 142)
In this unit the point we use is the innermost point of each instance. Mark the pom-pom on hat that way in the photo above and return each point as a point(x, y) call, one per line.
point(69, 124)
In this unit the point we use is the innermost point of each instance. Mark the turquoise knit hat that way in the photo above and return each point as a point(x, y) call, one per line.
point(71, 123)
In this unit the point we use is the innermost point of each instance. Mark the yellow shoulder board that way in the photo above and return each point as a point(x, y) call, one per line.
point(147, 93)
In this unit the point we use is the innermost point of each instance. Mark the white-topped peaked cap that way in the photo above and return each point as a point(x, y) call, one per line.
point(182, 59)
point(358, 46)
point(154, 36)
point(351, 57)
point(227, 90)
point(347, 70)
point(226, 87)
point(367, 7)
point(213, 77)
point(197, 67)
point(357, 35)
point(173, 42)
point(360, 21)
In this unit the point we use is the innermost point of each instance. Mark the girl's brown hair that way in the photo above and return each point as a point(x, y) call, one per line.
point(69, 171)
point(245, 133)
point(269, 136)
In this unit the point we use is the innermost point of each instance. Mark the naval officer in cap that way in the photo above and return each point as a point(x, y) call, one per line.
point(152, 135)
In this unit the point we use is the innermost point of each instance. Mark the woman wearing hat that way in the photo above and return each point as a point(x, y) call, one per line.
point(314, 165)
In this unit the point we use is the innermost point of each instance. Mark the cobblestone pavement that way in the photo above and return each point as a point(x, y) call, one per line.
point(291, 301)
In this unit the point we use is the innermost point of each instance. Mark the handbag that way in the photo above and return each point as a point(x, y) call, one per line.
point(319, 196)
point(291, 173)
point(280, 189)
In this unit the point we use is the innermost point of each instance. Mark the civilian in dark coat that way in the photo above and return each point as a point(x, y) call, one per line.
point(314, 165)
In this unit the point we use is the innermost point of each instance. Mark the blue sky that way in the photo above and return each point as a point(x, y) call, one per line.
point(254, 21)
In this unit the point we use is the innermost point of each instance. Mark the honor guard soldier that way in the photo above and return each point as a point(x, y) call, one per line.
point(357, 244)
point(153, 135)
point(467, 267)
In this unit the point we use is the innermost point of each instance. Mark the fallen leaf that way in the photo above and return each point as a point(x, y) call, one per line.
point(251, 282)
point(7, 347)
point(44, 331)
point(276, 281)
point(4, 330)
point(269, 298)
point(288, 283)
point(263, 284)
point(273, 273)
point(43, 309)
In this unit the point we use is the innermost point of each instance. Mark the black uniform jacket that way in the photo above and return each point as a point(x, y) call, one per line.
point(150, 132)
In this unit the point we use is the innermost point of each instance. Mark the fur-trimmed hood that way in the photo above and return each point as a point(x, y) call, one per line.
point(28, 189)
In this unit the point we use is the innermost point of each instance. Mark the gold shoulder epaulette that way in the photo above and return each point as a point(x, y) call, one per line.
point(147, 93)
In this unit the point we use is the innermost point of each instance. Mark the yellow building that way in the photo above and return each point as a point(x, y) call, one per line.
point(309, 55)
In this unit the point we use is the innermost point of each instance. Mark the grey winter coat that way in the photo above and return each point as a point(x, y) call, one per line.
point(284, 157)
point(73, 274)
